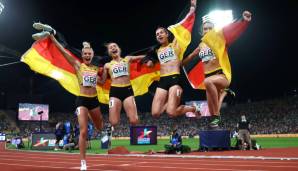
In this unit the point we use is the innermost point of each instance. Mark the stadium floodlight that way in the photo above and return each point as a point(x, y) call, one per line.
point(1, 7)
point(219, 18)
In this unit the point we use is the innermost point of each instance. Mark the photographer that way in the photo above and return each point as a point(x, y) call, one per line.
point(59, 132)
point(243, 133)
point(175, 145)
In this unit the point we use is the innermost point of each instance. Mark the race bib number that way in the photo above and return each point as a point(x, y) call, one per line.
point(89, 79)
point(120, 69)
point(206, 54)
point(166, 55)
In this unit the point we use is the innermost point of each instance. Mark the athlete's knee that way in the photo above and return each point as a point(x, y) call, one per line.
point(113, 121)
point(83, 133)
point(133, 120)
point(155, 112)
point(208, 83)
point(171, 112)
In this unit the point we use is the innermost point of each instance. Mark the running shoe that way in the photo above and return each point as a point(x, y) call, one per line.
point(231, 92)
point(214, 122)
point(83, 165)
point(198, 110)
point(44, 27)
point(40, 35)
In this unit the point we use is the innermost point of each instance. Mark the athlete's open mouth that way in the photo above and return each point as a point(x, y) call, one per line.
point(160, 39)
point(87, 59)
point(115, 51)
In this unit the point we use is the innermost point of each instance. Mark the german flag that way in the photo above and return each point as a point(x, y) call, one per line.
point(182, 32)
point(45, 58)
point(141, 77)
point(218, 41)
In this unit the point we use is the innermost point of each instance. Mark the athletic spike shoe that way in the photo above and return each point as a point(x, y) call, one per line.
point(40, 35)
point(198, 110)
point(44, 27)
point(214, 122)
point(83, 165)
point(231, 92)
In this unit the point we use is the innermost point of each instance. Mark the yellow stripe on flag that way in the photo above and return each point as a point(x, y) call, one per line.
point(215, 40)
point(40, 65)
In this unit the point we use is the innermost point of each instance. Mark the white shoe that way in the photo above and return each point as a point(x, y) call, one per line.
point(56, 149)
point(44, 27)
point(83, 165)
point(198, 110)
point(178, 152)
point(40, 35)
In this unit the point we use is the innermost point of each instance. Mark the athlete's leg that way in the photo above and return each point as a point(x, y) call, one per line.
point(130, 108)
point(159, 102)
point(115, 106)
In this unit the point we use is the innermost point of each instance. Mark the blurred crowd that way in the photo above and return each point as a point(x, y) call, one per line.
point(276, 116)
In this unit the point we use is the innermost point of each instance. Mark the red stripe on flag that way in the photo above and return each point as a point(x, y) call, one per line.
point(137, 70)
point(234, 30)
point(188, 22)
point(196, 75)
point(48, 50)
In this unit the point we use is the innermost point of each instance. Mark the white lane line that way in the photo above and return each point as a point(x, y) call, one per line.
point(173, 156)
point(52, 167)
point(28, 165)
point(159, 159)
point(39, 161)
point(125, 165)
point(194, 168)
point(140, 164)
point(6, 157)
point(89, 168)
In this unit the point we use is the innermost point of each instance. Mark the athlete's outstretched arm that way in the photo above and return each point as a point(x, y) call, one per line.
point(193, 6)
point(192, 9)
point(187, 22)
point(234, 30)
point(133, 58)
point(149, 63)
point(75, 63)
point(191, 56)
point(104, 76)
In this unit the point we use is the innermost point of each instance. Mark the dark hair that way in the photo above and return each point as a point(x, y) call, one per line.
point(171, 36)
point(106, 44)
point(160, 27)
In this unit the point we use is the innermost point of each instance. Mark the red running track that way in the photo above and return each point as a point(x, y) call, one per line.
point(12, 160)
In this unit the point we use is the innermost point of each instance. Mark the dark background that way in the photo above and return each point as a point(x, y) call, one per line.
point(264, 58)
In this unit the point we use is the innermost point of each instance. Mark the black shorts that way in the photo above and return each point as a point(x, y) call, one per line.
point(121, 92)
point(167, 82)
point(88, 102)
point(216, 72)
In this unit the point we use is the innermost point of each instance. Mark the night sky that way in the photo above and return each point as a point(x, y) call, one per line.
point(263, 59)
